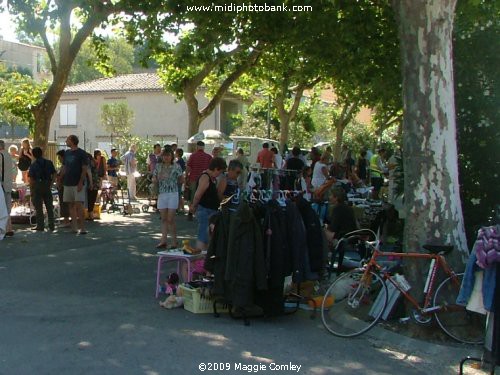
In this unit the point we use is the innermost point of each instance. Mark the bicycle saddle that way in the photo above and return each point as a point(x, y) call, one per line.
point(436, 249)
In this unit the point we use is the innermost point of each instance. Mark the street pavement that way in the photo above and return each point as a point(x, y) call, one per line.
point(85, 305)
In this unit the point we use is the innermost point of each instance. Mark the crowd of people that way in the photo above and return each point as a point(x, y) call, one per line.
point(203, 181)
point(78, 181)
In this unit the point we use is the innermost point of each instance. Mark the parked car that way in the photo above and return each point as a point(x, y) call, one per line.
point(250, 145)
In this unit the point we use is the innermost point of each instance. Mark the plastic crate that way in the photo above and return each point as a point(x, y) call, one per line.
point(198, 304)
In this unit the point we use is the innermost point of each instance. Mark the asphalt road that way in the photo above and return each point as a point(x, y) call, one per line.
point(85, 305)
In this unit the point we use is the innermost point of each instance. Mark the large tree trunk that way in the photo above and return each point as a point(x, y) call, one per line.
point(197, 115)
point(44, 111)
point(69, 45)
point(340, 123)
point(42, 126)
point(432, 200)
point(286, 117)
point(339, 136)
point(285, 120)
point(194, 117)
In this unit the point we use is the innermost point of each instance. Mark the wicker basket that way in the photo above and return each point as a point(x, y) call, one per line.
point(198, 304)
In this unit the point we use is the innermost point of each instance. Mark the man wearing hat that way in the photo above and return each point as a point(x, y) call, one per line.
point(197, 163)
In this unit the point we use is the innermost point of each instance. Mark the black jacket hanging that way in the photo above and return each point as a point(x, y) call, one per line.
point(297, 242)
point(316, 244)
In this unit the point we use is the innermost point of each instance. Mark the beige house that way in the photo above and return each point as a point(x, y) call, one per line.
point(24, 56)
point(157, 116)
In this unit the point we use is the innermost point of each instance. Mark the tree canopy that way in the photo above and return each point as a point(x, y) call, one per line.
point(477, 88)
point(89, 65)
point(42, 18)
point(19, 93)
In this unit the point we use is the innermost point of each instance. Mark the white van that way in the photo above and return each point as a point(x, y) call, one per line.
point(250, 145)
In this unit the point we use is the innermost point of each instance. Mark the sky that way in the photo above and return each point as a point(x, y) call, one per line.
point(7, 27)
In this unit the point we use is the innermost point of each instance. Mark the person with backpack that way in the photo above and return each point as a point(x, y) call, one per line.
point(42, 175)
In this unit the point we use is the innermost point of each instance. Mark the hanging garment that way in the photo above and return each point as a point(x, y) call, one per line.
point(245, 265)
point(277, 254)
point(216, 257)
point(254, 181)
point(297, 243)
point(476, 303)
point(487, 247)
point(467, 286)
point(316, 243)
point(495, 351)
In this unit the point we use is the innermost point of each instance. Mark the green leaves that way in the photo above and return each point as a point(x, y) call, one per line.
point(18, 95)
point(102, 57)
point(117, 118)
point(477, 87)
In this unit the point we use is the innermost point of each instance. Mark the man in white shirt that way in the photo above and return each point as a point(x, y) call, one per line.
point(6, 166)
point(130, 163)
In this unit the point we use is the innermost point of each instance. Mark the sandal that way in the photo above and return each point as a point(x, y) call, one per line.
point(161, 246)
point(175, 246)
point(10, 233)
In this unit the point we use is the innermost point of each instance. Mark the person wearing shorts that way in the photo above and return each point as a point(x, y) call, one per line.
point(73, 176)
point(167, 175)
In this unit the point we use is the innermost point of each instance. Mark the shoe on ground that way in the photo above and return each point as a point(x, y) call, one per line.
point(188, 249)
point(38, 229)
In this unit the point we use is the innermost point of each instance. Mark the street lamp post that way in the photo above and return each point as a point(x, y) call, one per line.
point(269, 116)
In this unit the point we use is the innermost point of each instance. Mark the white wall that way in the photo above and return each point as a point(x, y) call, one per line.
point(156, 115)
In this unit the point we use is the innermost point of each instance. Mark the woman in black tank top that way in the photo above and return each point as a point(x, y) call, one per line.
point(209, 199)
point(206, 201)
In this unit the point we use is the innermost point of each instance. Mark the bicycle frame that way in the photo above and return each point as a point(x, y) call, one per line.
point(439, 262)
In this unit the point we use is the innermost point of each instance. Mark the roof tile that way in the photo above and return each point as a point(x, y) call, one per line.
point(138, 82)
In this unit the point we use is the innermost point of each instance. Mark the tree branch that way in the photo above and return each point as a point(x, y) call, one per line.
point(299, 92)
point(394, 119)
point(88, 27)
point(48, 47)
point(196, 81)
point(352, 109)
point(224, 87)
point(64, 35)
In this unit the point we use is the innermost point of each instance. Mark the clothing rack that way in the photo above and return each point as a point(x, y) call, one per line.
point(264, 195)
point(491, 353)
point(287, 247)
point(269, 177)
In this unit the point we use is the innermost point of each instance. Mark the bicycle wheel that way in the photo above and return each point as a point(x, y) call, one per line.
point(358, 303)
point(455, 320)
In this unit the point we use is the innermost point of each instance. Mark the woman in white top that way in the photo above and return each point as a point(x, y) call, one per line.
point(278, 164)
point(320, 172)
point(277, 160)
